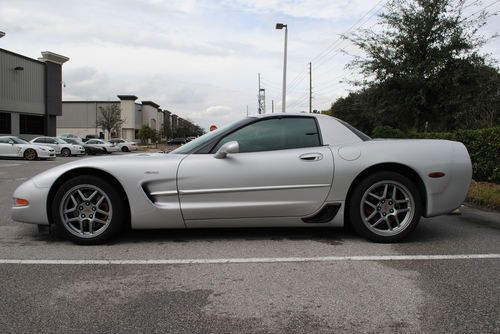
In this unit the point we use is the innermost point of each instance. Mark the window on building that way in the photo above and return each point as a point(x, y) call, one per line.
point(5, 122)
point(31, 125)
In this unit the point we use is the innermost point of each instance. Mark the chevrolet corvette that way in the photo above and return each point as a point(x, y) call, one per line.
point(263, 171)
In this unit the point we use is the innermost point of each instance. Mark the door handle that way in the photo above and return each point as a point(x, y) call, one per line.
point(311, 156)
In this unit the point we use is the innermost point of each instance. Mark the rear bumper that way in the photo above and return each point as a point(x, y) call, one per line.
point(455, 191)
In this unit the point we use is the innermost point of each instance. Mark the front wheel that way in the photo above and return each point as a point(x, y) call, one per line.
point(30, 154)
point(385, 207)
point(65, 152)
point(88, 210)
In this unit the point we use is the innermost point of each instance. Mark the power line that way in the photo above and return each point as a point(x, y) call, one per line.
point(485, 7)
point(332, 46)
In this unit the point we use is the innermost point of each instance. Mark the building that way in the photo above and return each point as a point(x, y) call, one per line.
point(30, 94)
point(80, 117)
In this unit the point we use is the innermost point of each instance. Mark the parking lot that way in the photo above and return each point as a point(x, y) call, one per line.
point(444, 278)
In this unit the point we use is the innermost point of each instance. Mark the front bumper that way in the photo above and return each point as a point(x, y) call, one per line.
point(36, 211)
point(46, 154)
point(78, 151)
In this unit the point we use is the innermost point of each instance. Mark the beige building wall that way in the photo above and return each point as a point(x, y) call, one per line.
point(150, 114)
point(80, 132)
point(127, 106)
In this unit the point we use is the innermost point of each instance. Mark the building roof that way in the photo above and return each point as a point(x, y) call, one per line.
point(127, 97)
point(150, 103)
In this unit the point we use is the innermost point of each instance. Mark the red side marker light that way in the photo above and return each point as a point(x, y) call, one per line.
point(21, 202)
point(436, 175)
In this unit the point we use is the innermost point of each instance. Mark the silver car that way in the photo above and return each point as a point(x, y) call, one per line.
point(267, 170)
point(106, 146)
point(60, 146)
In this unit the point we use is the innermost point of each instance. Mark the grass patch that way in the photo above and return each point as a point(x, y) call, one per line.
point(484, 194)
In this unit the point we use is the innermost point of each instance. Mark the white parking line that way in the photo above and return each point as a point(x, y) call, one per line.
point(260, 260)
point(9, 165)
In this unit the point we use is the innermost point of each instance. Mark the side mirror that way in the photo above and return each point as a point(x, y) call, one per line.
point(12, 142)
point(227, 148)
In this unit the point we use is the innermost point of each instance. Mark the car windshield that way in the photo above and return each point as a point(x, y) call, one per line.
point(60, 141)
point(18, 140)
point(200, 141)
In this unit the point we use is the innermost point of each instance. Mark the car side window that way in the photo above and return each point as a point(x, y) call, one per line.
point(275, 134)
point(4, 140)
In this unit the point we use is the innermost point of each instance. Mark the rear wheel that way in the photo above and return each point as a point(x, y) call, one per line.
point(88, 210)
point(30, 154)
point(385, 207)
point(125, 149)
point(65, 152)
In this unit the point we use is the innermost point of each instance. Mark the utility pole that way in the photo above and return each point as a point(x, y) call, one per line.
point(272, 106)
point(258, 96)
point(310, 87)
point(280, 26)
point(262, 99)
point(247, 110)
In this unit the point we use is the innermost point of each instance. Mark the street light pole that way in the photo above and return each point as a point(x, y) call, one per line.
point(280, 26)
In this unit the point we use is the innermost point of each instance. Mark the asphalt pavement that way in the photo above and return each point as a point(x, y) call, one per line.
point(444, 279)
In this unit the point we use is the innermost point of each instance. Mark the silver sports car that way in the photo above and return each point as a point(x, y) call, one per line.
point(262, 171)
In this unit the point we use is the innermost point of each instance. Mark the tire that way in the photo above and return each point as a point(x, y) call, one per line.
point(65, 152)
point(30, 154)
point(125, 149)
point(105, 151)
point(385, 207)
point(93, 219)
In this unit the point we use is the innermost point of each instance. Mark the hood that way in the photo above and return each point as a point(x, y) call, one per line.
point(115, 165)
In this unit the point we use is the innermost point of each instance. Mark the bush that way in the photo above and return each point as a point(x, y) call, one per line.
point(483, 146)
point(146, 133)
point(385, 131)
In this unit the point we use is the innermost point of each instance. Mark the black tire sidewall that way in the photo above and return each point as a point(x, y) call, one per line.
point(117, 202)
point(66, 150)
point(357, 195)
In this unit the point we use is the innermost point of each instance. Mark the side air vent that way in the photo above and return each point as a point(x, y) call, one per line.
point(325, 215)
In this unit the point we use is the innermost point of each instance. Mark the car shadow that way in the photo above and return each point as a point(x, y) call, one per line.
point(330, 235)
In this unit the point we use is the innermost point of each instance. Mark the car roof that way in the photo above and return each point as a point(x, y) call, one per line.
point(291, 114)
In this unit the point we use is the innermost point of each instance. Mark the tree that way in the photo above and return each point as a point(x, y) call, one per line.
point(166, 128)
point(423, 67)
point(110, 119)
point(147, 133)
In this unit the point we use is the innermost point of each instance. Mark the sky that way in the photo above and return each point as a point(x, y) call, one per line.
point(199, 59)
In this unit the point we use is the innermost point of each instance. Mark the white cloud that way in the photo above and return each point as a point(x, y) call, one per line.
point(198, 59)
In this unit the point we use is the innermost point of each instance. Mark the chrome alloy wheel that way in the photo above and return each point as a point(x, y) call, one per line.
point(387, 208)
point(86, 211)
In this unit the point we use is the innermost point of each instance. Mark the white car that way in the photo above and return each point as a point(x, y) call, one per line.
point(69, 135)
point(102, 144)
point(124, 145)
point(11, 146)
point(59, 145)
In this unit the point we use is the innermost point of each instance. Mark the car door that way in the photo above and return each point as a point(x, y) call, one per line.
point(281, 170)
point(7, 149)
